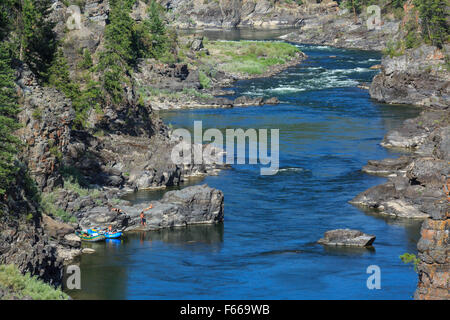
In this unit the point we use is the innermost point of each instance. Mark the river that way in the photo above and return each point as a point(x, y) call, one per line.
point(266, 248)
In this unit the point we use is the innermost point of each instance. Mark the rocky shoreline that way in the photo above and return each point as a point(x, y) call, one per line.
point(192, 205)
point(414, 189)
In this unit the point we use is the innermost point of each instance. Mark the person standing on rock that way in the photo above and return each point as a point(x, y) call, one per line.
point(143, 222)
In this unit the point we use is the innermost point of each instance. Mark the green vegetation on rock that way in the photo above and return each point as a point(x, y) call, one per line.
point(8, 123)
point(408, 258)
point(126, 41)
point(15, 285)
point(248, 57)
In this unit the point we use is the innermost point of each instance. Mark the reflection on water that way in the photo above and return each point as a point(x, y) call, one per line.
point(267, 246)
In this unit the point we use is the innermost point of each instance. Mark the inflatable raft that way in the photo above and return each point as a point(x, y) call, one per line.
point(91, 237)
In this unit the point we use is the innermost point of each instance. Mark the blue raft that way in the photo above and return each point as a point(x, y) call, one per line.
point(106, 234)
point(112, 235)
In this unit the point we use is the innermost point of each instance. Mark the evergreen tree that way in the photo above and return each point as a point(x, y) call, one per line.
point(150, 36)
point(5, 21)
point(82, 99)
point(37, 39)
point(8, 123)
point(119, 53)
point(157, 29)
point(433, 15)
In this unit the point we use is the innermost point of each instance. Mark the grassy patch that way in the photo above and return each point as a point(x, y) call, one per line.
point(48, 201)
point(394, 49)
point(26, 286)
point(248, 57)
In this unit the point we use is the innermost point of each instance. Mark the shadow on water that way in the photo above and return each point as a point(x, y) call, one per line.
point(411, 226)
point(103, 273)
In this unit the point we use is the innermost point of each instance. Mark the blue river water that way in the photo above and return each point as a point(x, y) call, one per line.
point(266, 248)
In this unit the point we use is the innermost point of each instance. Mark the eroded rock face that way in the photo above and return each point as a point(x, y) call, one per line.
point(23, 241)
point(192, 205)
point(232, 13)
point(347, 238)
point(326, 24)
point(418, 77)
point(434, 255)
point(47, 116)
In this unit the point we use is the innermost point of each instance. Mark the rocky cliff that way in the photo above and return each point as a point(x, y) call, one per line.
point(327, 24)
point(420, 77)
point(23, 240)
point(233, 13)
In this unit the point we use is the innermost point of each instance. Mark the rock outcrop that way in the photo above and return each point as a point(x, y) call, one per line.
point(434, 258)
point(415, 189)
point(347, 238)
point(232, 13)
point(326, 24)
point(23, 241)
point(417, 77)
point(191, 205)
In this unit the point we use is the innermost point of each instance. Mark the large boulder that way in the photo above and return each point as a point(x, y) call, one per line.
point(192, 205)
point(56, 229)
point(416, 77)
point(347, 237)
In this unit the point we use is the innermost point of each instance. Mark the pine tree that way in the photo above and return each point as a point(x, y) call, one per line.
point(37, 39)
point(8, 124)
point(157, 29)
point(5, 12)
point(119, 53)
point(433, 15)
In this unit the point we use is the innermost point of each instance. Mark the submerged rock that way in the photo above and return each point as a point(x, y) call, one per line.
point(347, 237)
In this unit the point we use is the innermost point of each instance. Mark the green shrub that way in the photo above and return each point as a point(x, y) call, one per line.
point(412, 40)
point(48, 206)
point(204, 80)
point(27, 286)
point(86, 61)
point(393, 49)
point(410, 258)
point(37, 114)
